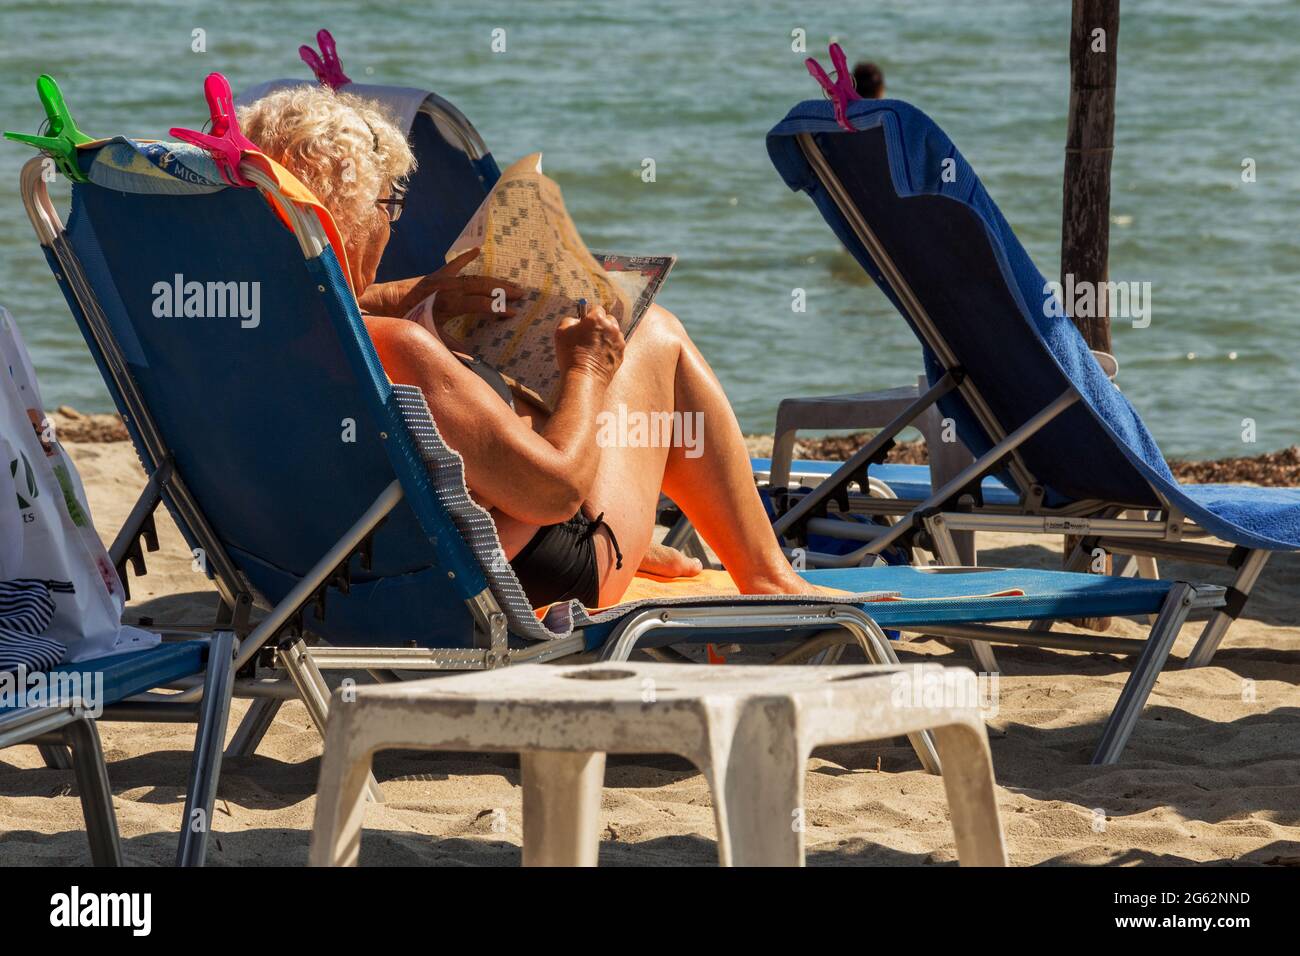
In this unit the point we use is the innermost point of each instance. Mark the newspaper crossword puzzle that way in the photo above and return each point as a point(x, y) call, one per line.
point(526, 237)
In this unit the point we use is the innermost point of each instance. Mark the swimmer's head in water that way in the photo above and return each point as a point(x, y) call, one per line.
point(869, 80)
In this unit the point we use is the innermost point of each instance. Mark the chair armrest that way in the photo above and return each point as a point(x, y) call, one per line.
point(859, 410)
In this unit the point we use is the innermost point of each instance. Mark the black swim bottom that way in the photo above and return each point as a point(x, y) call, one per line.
point(559, 562)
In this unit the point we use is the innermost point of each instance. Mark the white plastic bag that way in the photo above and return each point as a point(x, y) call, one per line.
point(11, 521)
point(58, 541)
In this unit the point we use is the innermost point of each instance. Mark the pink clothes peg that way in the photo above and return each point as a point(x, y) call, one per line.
point(225, 142)
point(326, 66)
point(842, 92)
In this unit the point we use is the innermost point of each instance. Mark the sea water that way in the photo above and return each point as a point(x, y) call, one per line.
point(601, 86)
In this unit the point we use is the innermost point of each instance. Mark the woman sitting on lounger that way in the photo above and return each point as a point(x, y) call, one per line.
point(575, 519)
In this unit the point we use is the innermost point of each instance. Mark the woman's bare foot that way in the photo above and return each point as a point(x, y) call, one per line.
point(668, 562)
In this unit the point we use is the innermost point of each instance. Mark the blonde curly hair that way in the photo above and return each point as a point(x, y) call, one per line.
point(345, 148)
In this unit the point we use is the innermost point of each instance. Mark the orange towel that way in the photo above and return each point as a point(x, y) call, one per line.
point(711, 583)
point(645, 586)
point(293, 188)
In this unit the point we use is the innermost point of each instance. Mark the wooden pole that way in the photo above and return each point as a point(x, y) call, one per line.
point(1085, 213)
point(1085, 227)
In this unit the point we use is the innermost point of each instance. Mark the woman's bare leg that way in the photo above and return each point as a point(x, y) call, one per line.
point(711, 481)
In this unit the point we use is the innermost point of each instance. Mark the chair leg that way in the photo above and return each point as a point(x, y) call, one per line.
point(828, 657)
point(1147, 568)
point(209, 738)
point(946, 552)
point(1141, 566)
point(1075, 560)
point(756, 776)
point(1219, 623)
point(315, 694)
point(879, 650)
point(56, 756)
point(82, 737)
point(984, 657)
point(561, 807)
point(1119, 727)
point(257, 721)
point(947, 459)
point(972, 804)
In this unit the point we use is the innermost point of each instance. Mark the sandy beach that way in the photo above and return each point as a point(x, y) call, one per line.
point(1210, 775)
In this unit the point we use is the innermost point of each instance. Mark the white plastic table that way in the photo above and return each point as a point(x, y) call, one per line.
point(749, 730)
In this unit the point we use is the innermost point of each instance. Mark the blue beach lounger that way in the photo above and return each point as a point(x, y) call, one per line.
point(1005, 362)
point(125, 687)
point(313, 486)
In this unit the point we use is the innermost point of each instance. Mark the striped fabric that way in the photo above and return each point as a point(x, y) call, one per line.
point(26, 609)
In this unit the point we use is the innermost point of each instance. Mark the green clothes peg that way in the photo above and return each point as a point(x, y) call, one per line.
point(63, 136)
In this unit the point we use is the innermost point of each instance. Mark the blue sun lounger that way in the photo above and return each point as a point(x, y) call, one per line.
point(908, 482)
point(119, 687)
point(308, 483)
point(1007, 365)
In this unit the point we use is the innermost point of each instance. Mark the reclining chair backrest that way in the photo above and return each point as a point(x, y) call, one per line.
point(280, 422)
point(454, 172)
point(981, 291)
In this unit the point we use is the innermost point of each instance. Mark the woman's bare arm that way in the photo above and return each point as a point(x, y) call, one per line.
point(537, 477)
point(457, 294)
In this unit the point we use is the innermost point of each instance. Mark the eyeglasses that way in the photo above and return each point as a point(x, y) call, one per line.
point(395, 203)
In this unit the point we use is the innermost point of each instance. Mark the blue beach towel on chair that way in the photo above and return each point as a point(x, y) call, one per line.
point(1001, 318)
